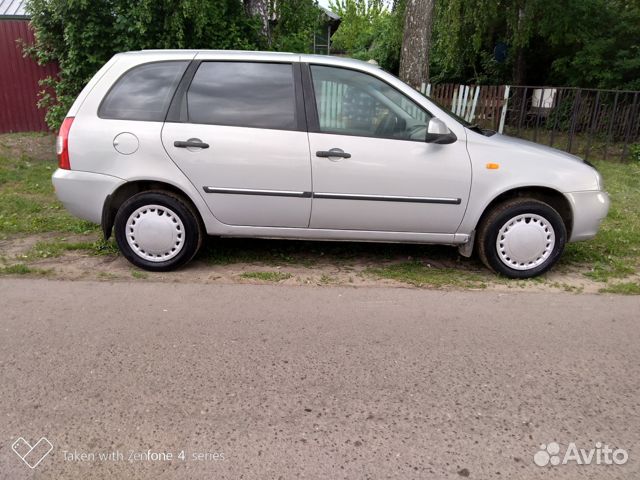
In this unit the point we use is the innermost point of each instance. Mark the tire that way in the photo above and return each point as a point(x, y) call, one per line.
point(158, 231)
point(521, 238)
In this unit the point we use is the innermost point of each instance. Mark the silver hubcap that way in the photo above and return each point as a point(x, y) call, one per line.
point(525, 242)
point(155, 233)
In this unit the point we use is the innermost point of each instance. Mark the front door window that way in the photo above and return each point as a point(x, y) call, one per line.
point(354, 103)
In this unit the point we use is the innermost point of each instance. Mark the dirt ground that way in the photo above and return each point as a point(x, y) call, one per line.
point(35, 146)
point(303, 263)
point(319, 270)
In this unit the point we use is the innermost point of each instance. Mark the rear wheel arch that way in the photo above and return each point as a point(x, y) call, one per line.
point(158, 230)
point(127, 190)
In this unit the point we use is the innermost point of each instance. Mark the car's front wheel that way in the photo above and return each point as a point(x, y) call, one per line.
point(521, 238)
point(157, 231)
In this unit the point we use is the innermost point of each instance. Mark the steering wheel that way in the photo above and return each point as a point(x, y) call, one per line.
point(415, 129)
point(387, 125)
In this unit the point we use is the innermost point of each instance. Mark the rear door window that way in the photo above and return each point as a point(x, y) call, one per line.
point(144, 92)
point(243, 94)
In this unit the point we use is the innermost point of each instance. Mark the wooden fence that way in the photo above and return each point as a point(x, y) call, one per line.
point(484, 105)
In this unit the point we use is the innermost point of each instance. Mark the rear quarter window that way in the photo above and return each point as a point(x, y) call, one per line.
point(144, 92)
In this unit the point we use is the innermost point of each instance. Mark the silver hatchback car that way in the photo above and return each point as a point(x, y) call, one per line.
point(166, 146)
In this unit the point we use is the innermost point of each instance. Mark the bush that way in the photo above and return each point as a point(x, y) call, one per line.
point(81, 35)
point(370, 31)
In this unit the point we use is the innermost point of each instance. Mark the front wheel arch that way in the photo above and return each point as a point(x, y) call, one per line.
point(551, 197)
point(493, 239)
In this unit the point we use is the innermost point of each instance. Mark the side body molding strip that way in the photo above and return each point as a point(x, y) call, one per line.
point(333, 196)
point(388, 198)
point(267, 193)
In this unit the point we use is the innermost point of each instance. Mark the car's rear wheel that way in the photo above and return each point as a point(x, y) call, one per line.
point(157, 231)
point(521, 238)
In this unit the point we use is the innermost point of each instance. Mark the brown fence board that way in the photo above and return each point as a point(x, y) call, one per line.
point(19, 80)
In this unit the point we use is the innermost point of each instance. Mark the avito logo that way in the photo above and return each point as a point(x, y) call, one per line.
point(549, 454)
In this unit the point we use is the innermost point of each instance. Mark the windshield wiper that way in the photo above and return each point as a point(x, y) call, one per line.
point(482, 131)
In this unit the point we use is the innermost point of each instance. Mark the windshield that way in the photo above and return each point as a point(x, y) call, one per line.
point(456, 117)
point(471, 126)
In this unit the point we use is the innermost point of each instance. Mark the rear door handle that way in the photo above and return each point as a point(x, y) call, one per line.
point(191, 143)
point(334, 152)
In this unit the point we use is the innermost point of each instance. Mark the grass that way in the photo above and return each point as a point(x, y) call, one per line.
point(566, 287)
point(22, 269)
point(54, 248)
point(60, 246)
point(139, 274)
point(226, 251)
point(583, 144)
point(28, 206)
point(326, 280)
point(266, 276)
point(419, 274)
point(27, 201)
point(624, 288)
point(107, 276)
point(615, 252)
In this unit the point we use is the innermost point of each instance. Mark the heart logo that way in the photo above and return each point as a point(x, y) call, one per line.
point(32, 455)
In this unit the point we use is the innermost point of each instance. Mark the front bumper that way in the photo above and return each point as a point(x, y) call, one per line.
point(83, 193)
point(589, 209)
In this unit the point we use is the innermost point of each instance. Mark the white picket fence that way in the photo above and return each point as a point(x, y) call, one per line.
point(465, 101)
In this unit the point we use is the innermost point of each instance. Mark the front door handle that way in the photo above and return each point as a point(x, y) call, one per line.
point(191, 143)
point(334, 152)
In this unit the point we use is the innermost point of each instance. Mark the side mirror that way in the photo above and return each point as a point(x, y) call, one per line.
point(438, 132)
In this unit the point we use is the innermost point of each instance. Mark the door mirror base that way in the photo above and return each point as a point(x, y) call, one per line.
point(445, 139)
point(438, 132)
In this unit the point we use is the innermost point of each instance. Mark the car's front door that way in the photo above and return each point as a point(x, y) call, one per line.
point(372, 169)
point(240, 137)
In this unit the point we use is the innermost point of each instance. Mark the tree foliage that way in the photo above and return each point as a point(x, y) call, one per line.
point(295, 22)
point(81, 35)
point(369, 30)
point(588, 43)
point(604, 52)
point(359, 19)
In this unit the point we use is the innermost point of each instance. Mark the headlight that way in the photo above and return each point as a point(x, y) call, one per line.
point(599, 179)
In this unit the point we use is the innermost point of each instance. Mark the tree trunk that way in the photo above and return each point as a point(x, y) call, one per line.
point(519, 67)
point(259, 8)
point(416, 42)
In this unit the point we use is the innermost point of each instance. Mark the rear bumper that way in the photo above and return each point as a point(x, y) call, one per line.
point(589, 209)
point(83, 193)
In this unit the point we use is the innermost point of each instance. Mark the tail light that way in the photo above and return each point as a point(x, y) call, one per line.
point(62, 144)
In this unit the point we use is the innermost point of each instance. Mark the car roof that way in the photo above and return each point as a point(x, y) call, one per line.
point(251, 55)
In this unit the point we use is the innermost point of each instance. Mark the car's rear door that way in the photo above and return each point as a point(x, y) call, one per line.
point(238, 131)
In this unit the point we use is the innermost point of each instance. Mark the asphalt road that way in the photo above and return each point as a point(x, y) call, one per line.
point(261, 382)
